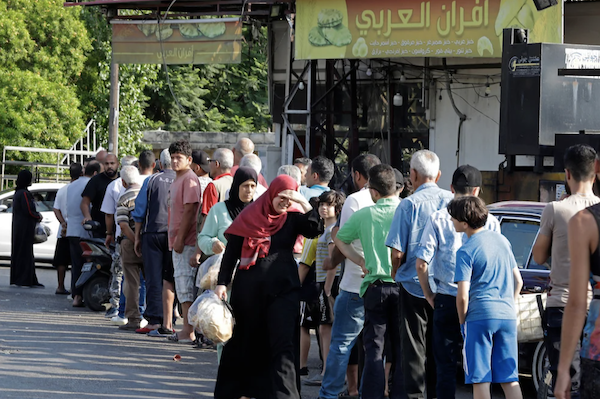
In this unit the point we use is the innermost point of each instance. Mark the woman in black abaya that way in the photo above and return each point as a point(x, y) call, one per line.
point(24, 219)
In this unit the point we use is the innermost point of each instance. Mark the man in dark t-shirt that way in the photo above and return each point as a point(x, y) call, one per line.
point(94, 193)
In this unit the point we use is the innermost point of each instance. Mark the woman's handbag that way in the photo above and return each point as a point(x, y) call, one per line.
point(41, 233)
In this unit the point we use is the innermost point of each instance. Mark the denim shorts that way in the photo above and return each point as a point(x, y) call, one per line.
point(184, 274)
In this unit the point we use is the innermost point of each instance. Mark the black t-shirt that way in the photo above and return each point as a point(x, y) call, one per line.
point(95, 190)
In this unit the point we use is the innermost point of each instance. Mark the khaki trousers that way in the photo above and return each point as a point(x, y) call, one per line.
point(132, 265)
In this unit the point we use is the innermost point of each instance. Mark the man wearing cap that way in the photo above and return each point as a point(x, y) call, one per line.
point(403, 238)
point(151, 216)
point(438, 246)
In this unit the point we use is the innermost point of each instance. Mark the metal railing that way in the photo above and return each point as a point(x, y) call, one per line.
point(59, 165)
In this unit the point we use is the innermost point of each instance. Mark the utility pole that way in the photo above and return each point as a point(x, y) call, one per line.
point(113, 115)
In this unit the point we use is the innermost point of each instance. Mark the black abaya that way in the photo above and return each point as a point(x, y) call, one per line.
point(262, 358)
point(24, 219)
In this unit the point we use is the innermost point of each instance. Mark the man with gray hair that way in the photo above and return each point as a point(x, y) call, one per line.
point(243, 147)
point(151, 216)
point(253, 161)
point(109, 207)
point(132, 263)
point(291, 170)
point(220, 171)
point(416, 315)
point(302, 164)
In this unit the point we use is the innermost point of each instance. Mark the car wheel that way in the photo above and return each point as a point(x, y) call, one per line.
point(540, 372)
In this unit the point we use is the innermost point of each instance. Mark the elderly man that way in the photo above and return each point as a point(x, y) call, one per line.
point(243, 147)
point(290, 170)
point(220, 171)
point(132, 263)
point(109, 208)
point(404, 237)
point(254, 162)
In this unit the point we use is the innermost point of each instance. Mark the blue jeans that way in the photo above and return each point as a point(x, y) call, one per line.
point(349, 318)
point(142, 298)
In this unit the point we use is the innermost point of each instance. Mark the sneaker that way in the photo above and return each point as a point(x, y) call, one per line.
point(314, 381)
point(161, 332)
point(304, 372)
point(119, 321)
point(37, 285)
point(130, 326)
point(112, 312)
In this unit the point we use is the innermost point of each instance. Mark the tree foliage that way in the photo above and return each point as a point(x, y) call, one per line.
point(55, 76)
point(42, 51)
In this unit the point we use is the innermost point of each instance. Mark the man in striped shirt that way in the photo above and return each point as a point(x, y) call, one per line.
point(132, 264)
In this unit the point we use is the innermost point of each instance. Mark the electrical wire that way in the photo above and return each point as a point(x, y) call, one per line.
point(482, 113)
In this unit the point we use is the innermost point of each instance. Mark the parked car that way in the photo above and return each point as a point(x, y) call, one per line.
point(520, 223)
point(43, 195)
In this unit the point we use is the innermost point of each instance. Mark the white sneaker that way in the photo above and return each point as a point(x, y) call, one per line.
point(143, 323)
point(119, 321)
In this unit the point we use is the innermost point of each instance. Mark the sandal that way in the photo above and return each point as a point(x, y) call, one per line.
point(175, 338)
point(63, 292)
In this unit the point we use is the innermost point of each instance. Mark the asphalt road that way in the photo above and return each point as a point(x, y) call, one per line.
point(49, 349)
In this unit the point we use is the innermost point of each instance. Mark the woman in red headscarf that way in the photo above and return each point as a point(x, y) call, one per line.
point(261, 359)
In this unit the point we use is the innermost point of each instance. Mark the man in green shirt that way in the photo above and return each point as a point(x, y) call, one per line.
point(381, 294)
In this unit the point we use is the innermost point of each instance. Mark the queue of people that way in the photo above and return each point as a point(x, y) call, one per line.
point(394, 287)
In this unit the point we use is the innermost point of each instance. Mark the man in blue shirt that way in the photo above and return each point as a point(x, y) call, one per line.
point(151, 216)
point(404, 237)
point(318, 175)
point(488, 281)
point(437, 255)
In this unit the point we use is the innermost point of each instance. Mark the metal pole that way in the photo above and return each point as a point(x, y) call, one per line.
point(307, 149)
point(113, 115)
point(3, 162)
point(354, 142)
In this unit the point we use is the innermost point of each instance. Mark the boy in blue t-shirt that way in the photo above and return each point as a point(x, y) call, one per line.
point(488, 281)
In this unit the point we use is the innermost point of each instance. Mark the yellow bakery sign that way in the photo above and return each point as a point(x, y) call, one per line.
point(330, 29)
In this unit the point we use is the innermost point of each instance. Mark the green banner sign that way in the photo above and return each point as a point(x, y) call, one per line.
point(200, 41)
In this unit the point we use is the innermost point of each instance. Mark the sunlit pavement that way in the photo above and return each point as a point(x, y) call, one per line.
point(49, 349)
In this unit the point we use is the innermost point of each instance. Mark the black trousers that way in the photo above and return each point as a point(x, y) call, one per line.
point(76, 264)
point(382, 317)
point(447, 341)
point(416, 330)
point(262, 358)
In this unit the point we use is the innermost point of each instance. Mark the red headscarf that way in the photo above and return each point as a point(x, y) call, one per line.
point(259, 221)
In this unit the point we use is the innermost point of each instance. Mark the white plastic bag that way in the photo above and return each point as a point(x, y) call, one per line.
point(208, 273)
point(212, 317)
point(41, 233)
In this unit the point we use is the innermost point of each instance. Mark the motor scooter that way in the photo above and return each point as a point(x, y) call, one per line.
point(95, 273)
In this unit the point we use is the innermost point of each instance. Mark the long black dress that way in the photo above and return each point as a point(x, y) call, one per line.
point(24, 219)
point(262, 358)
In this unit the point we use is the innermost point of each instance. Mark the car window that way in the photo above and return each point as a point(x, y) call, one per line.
point(521, 234)
point(44, 200)
point(8, 203)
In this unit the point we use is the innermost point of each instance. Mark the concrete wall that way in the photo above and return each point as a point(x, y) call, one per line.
point(480, 131)
point(266, 145)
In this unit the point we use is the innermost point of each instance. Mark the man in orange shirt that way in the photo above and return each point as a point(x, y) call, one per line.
point(220, 171)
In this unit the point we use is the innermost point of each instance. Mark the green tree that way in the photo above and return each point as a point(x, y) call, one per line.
point(42, 52)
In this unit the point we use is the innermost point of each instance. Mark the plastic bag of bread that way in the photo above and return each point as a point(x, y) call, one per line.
point(212, 317)
point(212, 265)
